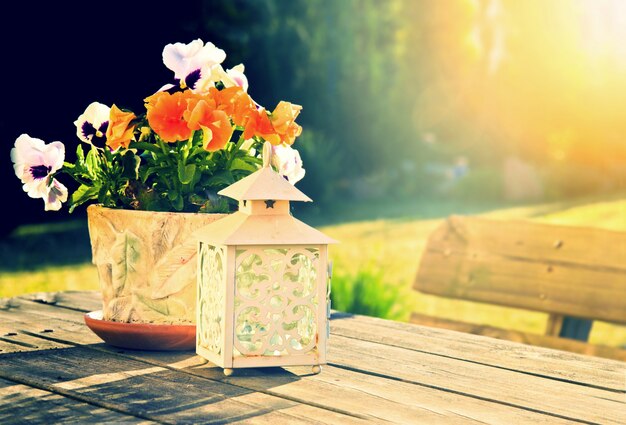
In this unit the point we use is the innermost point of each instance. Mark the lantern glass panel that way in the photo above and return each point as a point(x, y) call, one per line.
point(211, 291)
point(276, 298)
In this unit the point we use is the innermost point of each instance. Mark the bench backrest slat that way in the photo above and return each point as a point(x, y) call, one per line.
point(573, 271)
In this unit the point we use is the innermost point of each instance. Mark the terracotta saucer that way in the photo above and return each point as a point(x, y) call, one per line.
point(140, 336)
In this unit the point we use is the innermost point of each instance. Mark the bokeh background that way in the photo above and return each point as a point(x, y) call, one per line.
point(413, 110)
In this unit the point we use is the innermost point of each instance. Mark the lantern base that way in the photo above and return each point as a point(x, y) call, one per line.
point(228, 371)
point(316, 369)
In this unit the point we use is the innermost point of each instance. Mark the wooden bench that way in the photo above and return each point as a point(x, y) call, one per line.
point(574, 274)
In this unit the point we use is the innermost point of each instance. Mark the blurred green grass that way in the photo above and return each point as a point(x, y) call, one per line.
point(375, 263)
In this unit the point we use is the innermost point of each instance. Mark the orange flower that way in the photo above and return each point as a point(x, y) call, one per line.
point(193, 113)
point(165, 115)
point(202, 114)
point(258, 124)
point(235, 102)
point(119, 131)
point(284, 121)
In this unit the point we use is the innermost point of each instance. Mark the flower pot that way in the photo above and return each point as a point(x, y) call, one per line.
point(146, 263)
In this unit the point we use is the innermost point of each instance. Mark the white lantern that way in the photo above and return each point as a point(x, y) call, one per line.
point(263, 280)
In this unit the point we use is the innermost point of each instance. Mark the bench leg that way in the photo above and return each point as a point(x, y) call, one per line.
point(576, 328)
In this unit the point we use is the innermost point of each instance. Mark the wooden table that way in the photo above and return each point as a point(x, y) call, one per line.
point(54, 369)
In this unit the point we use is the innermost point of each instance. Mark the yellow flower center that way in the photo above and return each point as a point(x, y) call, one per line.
point(99, 133)
point(145, 132)
point(183, 85)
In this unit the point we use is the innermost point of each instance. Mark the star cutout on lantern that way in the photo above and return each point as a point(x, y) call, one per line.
point(269, 203)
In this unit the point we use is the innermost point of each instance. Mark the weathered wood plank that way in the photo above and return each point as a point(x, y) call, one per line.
point(586, 246)
point(377, 360)
point(561, 399)
point(555, 322)
point(152, 392)
point(25, 320)
point(525, 358)
point(378, 398)
point(547, 341)
point(13, 340)
point(23, 306)
point(561, 365)
point(374, 397)
point(398, 402)
point(555, 269)
point(85, 301)
point(24, 404)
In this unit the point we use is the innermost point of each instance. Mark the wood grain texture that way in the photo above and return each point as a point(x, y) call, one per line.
point(556, 269)
point(150, 392)
point(524, 358)
point(68, 334)
point(84, 301)
point(379, 371)
point(547, 341)
point(39, 406)
point(374, 398)
point(527, 359)
point(559, 399)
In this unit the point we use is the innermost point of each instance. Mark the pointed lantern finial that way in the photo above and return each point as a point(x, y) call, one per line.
point(267, 154)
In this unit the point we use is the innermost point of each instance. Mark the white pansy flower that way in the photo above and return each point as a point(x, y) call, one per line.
point(91, 125)
point(191, 62)
point(56, 195)
point(236, 77)
point(230, 78)
point(288, 163)
point(34, 164)
point(167, 87)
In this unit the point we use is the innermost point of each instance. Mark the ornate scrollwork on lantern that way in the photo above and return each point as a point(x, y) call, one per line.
point(275, 301)
point(211, 297)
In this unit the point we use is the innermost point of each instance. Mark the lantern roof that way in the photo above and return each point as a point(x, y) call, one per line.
point(245, 229)
point(264, 184)
point(263, 218)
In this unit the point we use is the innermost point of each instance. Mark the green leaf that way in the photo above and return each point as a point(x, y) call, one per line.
point(104, 196)
point(108, 155)
point(178, 203)
point(200, 151)
point(145, 146)
point(196, 199)
point(240, 164)
point(186, 172)
point(80, 156)
point(197, 138)
point(222, 179)
point(83, 194)
point(130, 165)
point(92, 162)
point(218, 205)
point(147, 172)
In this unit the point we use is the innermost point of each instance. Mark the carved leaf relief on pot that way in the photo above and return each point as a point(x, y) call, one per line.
point(146, 263)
